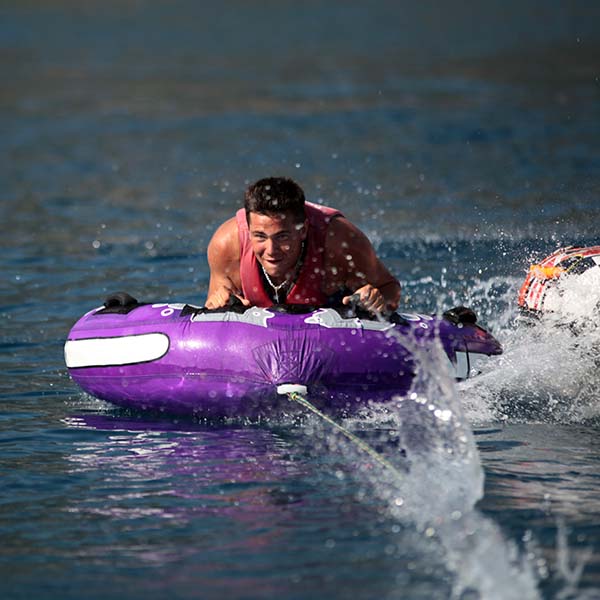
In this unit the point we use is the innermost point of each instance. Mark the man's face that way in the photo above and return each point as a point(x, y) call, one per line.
point(277, 242)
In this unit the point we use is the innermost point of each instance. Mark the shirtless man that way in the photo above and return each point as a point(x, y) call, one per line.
point(280, 249)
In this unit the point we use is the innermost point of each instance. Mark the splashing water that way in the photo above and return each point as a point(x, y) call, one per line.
point(549, 369)
point(442, 479)
point(575, 300)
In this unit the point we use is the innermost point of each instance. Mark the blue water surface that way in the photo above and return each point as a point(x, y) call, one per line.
point(464, 140)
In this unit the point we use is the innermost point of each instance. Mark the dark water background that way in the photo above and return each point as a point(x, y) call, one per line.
point(463, 138)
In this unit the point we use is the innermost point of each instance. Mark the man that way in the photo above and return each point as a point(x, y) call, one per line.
point(280, 249)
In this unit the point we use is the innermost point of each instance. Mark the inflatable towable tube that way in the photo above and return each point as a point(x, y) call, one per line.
point(182, 359)
point(541, 290)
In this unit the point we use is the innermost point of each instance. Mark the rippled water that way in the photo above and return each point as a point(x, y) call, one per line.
point(463, 140)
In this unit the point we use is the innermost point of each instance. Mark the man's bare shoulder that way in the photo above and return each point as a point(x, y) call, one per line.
point(224, 247)
point(350, 259)
point(343, 235)
point(225, 238)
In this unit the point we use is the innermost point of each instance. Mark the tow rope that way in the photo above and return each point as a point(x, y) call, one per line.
point(294, 395)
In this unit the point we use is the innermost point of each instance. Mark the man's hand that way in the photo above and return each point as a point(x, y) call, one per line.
point(223, 295)
point(369, 298)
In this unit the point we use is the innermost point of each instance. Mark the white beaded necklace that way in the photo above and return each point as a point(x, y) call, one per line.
point(276, 288)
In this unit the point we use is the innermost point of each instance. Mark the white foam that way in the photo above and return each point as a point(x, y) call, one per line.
point(575, 298)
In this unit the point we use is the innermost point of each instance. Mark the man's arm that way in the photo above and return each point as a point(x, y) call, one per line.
point(353, 263)
point(224, 262)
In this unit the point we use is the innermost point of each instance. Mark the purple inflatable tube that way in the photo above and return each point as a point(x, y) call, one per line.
point(184, 360)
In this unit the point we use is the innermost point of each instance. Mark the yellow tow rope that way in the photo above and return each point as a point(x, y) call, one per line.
point(296, 397)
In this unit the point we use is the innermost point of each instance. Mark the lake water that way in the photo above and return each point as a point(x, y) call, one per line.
point(464, 140)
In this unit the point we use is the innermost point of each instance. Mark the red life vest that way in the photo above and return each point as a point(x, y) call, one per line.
point(307, 287)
